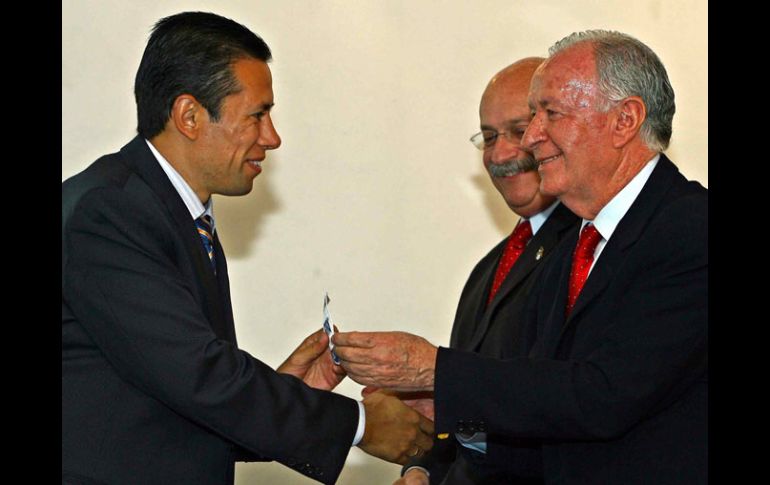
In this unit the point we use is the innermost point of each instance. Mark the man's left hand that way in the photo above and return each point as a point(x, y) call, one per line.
point(312, 362)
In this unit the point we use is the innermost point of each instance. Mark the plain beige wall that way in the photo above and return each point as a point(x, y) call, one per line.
point(376, 195)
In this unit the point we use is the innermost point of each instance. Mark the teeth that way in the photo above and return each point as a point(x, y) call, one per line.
point(256, 163)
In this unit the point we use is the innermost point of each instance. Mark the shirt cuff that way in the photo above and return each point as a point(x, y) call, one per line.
point(427, 473)
point(361, 424)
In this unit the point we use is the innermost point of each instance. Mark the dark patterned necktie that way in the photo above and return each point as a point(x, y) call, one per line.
point(582, 259)
point(204, 225)
point(513, 249)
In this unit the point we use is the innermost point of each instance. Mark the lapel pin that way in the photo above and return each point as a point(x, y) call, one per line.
point(539, 253)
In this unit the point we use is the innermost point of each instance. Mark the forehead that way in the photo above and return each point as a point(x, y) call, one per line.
point(506, 96)
point(568, 75)
point(255, 79)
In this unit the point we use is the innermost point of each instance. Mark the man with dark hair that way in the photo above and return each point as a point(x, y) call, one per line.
point(616, 385)
point(154, 387)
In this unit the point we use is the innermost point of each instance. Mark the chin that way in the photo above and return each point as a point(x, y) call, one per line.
point(238, 191)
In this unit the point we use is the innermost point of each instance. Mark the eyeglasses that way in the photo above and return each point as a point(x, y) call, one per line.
point(487, 138)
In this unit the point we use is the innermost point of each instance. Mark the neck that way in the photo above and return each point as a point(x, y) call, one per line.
point(588, 204)
point(174, 152)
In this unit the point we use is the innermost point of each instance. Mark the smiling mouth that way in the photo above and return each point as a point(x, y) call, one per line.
point(544, 161)
point(255, 163)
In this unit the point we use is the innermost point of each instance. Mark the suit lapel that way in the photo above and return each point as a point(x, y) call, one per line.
point(554, 296)
point(626, 234)
point(560, 220)
point(474, 303)
point(223, 283)
point(137, 154)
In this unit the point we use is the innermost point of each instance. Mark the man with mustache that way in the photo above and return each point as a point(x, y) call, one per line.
point(615, 387)
point(489, 315)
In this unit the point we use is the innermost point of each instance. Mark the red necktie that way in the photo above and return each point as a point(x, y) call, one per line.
point(513, 249)
point(581, 263)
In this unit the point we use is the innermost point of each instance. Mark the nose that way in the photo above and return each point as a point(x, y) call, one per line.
point(268, 135)
point(504, 150)
point(534, 134)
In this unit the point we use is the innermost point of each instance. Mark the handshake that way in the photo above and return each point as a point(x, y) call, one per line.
point(398, 370)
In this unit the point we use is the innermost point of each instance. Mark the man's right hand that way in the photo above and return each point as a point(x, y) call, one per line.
point(413, 476)
point(420, 401)
point(394, 431)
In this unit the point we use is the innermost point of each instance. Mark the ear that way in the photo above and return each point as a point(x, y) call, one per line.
point(187, 115)
point(630, 114)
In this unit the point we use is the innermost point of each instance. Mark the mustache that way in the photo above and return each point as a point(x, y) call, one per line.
point(513, 167)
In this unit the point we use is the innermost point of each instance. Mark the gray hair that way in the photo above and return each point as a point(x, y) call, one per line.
point(627, 67)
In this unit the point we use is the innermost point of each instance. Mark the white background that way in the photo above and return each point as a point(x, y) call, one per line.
point(376, 195)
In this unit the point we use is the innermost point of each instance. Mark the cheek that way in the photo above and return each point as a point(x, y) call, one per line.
point(248, 137)
point(530, 181)
point(526, 186)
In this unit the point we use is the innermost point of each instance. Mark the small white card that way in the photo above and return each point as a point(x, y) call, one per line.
point(329, 328)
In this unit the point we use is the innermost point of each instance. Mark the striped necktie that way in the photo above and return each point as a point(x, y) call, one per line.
point(204, 224)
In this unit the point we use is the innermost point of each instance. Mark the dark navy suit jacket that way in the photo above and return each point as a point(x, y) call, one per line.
point(617, 392)
point(154, 387)
point(497, 331)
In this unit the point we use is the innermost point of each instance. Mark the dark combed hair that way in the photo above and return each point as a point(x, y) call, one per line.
point(191, 53)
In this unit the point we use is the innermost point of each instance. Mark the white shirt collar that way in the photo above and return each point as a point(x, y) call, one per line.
point(539, 219)
point(609, 217)
point(190, 199)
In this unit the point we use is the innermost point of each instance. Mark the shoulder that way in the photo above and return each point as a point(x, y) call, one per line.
point(107, 171)
point(110, 192)
point(682, 212)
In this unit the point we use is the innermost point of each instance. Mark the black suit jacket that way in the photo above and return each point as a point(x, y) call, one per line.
point(616, 393)
point(154, 387)
point(496, 331)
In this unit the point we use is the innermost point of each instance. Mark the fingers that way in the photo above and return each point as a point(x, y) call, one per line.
point(319, 338)
point(337, 369)
point(368, 375)
point(355, 339)
point(394, 432)
point(424, 439)
point(312, 346)
point(396, 360)
point(358, 355)
point(426, 425)
point(417, 452)
point(303, 357)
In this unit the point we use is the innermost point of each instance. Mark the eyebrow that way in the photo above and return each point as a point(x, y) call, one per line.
point(511, 122)
point(263, 108)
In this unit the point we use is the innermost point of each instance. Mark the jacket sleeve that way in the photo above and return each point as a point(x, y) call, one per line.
point(649, 348)
point(124, 284)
